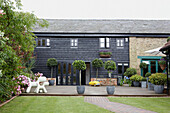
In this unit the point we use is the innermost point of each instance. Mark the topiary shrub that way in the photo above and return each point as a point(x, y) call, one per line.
point(51, 62)
point(110, 65)
point(79, 65)
point(97, 63)
point(143, 65)
point(130, 71)
point(147, 74)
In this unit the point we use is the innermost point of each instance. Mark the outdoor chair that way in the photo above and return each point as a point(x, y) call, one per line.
point(31, 84)
point(40, 84)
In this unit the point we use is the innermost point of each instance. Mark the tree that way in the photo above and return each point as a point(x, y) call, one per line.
point(130, 71)
point(51, 62)
point(110, 65)
point(18, 42)
point(79, 65)
point(97, 63)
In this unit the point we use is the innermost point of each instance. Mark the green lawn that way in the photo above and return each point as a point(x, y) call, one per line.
point(50, 105)
point(160, 105)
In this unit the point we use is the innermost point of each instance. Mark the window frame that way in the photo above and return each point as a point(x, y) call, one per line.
point(74, 41)
point(120, 42)
point(106, 41)
point(47, 40)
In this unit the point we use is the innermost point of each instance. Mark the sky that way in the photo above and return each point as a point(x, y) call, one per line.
point(99, 9)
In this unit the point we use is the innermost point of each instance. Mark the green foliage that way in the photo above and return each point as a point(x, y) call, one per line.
point(51, 62)
point(79, 64)
point(143, 65)
point(162, 62)
point(144, 79)
point(147, 74)
point(121, 82)
point(168, 39)
point(130, 71)
point(110, 65)
point(17, 41)
point(158, 78)
point(130, 83)
point(105, 53)
point(136, 78)
point(97, 63)
point(29, 65)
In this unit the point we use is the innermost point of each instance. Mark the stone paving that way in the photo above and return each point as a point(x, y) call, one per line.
point(113, 106)
point(91, 90)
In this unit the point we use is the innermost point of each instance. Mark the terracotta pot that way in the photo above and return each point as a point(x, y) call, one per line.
point(105, 56)
point(163, 66)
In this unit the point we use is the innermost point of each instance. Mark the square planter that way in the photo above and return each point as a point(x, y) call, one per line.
point(143, 84)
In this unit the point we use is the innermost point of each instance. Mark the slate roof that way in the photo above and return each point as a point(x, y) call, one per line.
point(105, 26)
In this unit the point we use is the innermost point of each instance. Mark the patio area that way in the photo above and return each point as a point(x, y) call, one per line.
point(93, 91)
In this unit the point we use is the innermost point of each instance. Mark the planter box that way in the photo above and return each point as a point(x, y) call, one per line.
point(143, 84)
point(105, 56)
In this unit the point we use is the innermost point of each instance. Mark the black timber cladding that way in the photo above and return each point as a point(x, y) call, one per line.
point(88, 50)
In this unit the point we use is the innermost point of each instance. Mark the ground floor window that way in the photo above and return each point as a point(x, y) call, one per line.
point(122, 68)
point(152, 64)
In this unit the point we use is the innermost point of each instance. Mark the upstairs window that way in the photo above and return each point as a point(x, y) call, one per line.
point(120, 42)
point(43, 42)
point(104, 43)
point(74, 42)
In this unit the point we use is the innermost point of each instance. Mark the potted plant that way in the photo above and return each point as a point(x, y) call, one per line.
point(136, 79)
point(162, 63)
point(110, 65)
point(80, 65)
point(143, 65)
point(130, 71)
point(158, 79)
point(143, 82)
point(51, 62)
point(150, 85)
point(97, 63)
point(105, 53)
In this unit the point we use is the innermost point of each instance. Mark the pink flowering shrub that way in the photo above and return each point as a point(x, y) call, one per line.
point(22, 84)
point(37, 75)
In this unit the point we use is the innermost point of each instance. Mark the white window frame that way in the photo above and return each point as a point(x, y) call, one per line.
point(120, 42)
point(105, 42)
point(47, 42)
point(74, 42)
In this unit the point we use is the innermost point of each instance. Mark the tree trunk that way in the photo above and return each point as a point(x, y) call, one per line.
point(96, 74)
point(80, 77)
point(51, 72)
point(110, 77)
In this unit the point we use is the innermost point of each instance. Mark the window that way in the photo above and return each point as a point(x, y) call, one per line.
point(43, 42)
point(104, 43)
point(120, 42)
point(74, 42)
point(122, 68)
point(119, 68)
